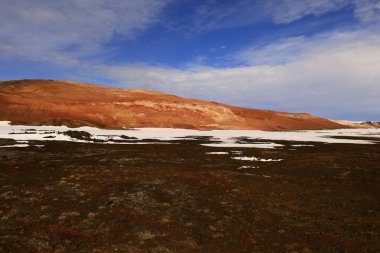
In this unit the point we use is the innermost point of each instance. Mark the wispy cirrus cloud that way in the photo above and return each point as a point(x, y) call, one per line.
point(368, 11)
point(230, 14)
point(64, 31)
point(286, 11)
point(291, 49)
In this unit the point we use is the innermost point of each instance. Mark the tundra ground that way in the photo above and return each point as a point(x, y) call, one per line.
point(83, 197)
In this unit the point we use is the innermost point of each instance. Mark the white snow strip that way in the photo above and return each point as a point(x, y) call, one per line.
point(239, 145)
point(302, 145)
point(227, 138)
point(217, 153)
point(246, 167)
point(138, 143)
point(15, 146)
point(246, 158)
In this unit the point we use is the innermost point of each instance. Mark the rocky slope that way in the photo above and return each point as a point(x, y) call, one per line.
point(51, 102)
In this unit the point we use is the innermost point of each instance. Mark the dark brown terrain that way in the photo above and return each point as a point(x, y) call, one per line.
point(78, 197)
point(51, 102)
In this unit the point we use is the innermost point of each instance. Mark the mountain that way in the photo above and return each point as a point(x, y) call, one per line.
point(52, 102)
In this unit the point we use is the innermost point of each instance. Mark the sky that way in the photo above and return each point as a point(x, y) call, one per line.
point(315, 56)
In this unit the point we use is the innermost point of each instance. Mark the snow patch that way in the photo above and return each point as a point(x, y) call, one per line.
point(246, 158)
point(246, 167)
point(15, 146)
point(245, 145)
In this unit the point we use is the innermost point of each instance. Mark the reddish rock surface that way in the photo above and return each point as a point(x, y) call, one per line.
point(51, 102)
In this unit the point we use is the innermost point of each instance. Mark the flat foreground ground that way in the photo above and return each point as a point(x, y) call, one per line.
point(82, 197)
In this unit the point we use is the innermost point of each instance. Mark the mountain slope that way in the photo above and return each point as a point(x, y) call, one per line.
point(51, 102)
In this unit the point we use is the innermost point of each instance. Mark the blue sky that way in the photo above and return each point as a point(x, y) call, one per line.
point(316, 56)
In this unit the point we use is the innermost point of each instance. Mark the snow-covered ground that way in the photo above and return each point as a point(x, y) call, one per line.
point(223, 138)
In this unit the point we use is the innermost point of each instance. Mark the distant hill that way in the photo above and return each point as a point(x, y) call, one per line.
point(51, 102)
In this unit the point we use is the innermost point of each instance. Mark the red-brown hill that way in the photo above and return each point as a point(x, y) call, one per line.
point(51, 102)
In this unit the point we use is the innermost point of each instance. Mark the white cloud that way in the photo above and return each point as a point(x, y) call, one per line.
point(293, 48)
point(276, 53)
point(368, 11)
point(332, 75)
point(63, 31)
point(214, 15)
point(286, 11)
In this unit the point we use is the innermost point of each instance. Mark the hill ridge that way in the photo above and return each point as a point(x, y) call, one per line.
point(36, 101)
